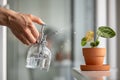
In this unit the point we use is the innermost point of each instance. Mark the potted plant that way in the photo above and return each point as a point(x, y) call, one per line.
point(94, 56)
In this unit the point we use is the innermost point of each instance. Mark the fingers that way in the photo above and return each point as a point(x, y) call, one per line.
point(29, 36)
point(26, 36)
point(34, 31)
point(36, 19)
point(22, 38)
point(32, 27)
point(25, 30)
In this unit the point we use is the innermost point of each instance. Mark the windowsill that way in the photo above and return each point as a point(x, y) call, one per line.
point(92, 75)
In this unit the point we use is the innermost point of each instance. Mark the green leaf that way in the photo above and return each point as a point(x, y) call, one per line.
point(97, 43)
point(93, 44)
point(105, 32)
point(83, 41)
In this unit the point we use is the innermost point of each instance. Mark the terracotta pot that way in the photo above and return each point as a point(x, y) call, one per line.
point(94, 56)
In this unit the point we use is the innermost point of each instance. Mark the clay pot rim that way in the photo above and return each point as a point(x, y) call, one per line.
point(94, 48)
point(94, 51)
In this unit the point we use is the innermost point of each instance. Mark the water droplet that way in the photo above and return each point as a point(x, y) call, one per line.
point(74, 33)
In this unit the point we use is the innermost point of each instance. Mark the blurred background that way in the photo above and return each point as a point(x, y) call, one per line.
point(67, 21)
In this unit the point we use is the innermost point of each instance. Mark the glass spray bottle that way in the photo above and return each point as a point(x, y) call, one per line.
point(39, 56)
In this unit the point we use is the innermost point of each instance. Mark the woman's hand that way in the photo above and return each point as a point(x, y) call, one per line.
point(23, 28)
point(21, 25)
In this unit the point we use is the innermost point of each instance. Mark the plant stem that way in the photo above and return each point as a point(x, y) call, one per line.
point(97, 38)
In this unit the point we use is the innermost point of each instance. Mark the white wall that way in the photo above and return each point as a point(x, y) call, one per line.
point(2, 53)
point(3, 47)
